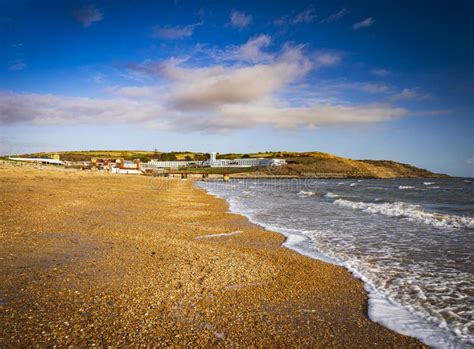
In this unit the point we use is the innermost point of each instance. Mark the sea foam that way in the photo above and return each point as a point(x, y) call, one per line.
point(411, 212)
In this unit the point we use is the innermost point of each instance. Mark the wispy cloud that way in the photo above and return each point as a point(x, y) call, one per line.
point(368, 87)
point(87, 15)
point(381, 72)
point(251, 51)
point(306, 16)
point(409, 94)
point(17, 64)
point(335, 16)
point(368, 22)
point(239, 19)
point(172, 33)
point(325, 58)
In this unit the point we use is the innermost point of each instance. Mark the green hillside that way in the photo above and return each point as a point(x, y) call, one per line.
point(300, 164)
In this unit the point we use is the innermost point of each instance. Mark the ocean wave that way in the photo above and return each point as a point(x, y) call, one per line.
point(306, 193)
point(411, 212)
point(428, 183)
point(331, 195)
point(405, 187)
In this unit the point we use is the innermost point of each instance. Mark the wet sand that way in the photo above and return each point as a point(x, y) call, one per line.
point(90, 259)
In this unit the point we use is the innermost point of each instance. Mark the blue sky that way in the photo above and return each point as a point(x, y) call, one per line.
point(361, 79)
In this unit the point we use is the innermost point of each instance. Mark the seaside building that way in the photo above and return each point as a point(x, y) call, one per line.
point(46, 161)
point(214, 162)
point(127, 167)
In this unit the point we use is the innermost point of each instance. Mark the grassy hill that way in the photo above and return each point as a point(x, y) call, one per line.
point(303, 164)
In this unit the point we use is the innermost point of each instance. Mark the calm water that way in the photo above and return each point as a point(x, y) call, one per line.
point(411, 241)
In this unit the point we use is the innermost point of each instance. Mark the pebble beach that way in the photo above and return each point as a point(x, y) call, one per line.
point(94, 259)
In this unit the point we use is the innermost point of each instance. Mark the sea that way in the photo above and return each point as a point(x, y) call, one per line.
point(411, 241)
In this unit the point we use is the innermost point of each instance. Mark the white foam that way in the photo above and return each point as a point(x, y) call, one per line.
point(428, 183)
point(306, 193)
point(411, 212)
point(331, 195)
point(405, 187)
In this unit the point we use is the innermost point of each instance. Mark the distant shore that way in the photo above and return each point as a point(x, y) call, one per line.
point(99, 259)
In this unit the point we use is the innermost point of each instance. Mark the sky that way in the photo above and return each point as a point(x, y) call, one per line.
point(360, 79)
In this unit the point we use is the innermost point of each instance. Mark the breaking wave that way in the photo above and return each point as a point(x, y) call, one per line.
point(305, 194)
point(411, 212)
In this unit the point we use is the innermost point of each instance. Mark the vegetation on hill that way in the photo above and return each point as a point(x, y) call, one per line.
point(330, 166)
point(304, 164)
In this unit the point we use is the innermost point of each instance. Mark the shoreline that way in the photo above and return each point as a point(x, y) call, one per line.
point(379, 309)
point(118, 260)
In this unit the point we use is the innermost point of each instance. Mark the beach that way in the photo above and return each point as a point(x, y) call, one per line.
point(94, 259)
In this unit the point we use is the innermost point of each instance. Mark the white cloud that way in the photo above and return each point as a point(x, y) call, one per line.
point(326, 58)
point(251, 52)
point(248, 86)
point(381, 72)
point(17, 64)
point(368, 22)
point(374, 88)
point(171, 33)
point(240, 19)
point(335, 16)
point(208, 87)
point(233, 116)
point(134, 92)
point(87, 15)
point(46, 109)
point(306, 16)
point(409, 94)
point(58, 110)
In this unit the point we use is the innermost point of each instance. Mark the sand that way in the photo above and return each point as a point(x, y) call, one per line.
point(95, 259)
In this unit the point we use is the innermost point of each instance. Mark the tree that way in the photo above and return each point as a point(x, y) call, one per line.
point(187, 158)
point(245, 156)
point(168, 157)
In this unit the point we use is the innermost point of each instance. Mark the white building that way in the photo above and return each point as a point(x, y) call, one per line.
point(214, 162)
point(47, 161)
point(248, 162)
point(174, 164)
